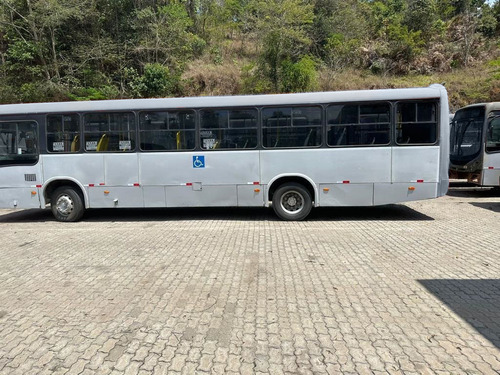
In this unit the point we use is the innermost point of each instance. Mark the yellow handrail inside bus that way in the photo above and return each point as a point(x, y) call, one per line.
point(103, 143)
point(75, 144)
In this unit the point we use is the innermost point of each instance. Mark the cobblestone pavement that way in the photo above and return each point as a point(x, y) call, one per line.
point(402, 289)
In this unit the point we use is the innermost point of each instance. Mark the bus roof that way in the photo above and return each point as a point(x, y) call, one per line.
point(433, 91)
point(488, 105)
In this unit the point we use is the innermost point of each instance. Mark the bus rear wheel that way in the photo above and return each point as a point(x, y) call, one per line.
point(292, 201)
point(67, 204)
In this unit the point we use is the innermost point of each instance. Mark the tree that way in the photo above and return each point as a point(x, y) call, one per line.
point(164, 36)
point(283, 28)
point(340, 28)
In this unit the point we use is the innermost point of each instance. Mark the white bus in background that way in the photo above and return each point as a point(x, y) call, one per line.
point(291, 151)
point(475, 144)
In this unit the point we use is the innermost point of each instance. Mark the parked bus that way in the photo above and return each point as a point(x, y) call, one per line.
point(475, 144)
point(290, 151)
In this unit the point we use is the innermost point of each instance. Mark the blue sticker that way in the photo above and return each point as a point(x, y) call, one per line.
point(199, 161)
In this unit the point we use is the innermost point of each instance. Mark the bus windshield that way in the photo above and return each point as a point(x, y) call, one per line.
point(493, 134)
point(466, 135)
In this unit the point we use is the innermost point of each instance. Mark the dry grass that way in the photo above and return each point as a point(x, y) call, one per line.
point(206, 78)
point(465, 86)
point(219, 72)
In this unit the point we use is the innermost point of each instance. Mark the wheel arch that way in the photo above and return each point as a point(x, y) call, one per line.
point(307, 182)
point(56, 182)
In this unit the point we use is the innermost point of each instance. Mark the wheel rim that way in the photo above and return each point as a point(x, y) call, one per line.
point(64, 204)
point(292, 202)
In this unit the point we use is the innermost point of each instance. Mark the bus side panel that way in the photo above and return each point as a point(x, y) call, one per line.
point(205, 178)
point(400, 192)
point(414, 163)
point(19, 198)
point(116, 196)
point(250, 195)
point(121, 183)
point(358, 167)
point(17, 184)
point(87, 169)
point(154, 196)
point(346, 194)
point(491, 171)
point(121, 169)
point(197, 195)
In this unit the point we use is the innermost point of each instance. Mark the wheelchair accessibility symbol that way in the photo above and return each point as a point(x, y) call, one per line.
point(199, 161)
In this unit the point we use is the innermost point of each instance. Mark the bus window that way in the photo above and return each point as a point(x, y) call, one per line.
point(172, 130)
point(18, 142)
point(109, 132)
point(63, 133)
point(416, 123)
point(291, 127)
point(228, 129)
point(493, 135)
point(358, 124)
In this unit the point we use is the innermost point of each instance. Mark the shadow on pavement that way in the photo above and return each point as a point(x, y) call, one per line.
point(471, 191)
point(492, 206)
point(389, 212)
point(476, 301)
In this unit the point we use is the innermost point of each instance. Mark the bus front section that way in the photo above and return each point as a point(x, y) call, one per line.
point(20, 173)
point(466, 145)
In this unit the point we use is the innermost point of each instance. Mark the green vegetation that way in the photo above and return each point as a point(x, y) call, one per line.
point(52, 50)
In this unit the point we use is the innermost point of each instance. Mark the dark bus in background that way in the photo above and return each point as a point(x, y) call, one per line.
point(475, 144)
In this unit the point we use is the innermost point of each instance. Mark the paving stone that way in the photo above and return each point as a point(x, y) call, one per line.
point(410, 288)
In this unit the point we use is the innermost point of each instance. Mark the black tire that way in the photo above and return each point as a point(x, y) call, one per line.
point(292, 201)
point(67, 204)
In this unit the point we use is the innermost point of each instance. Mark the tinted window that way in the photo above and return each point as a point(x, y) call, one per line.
point(493, 134)
point(18, 142)
point(226, 129)
point(466, 134)
point(416, 123)
point(291, 127)
point(109, 132)
point(358, 124)
point(172, 130)
point(63, 133)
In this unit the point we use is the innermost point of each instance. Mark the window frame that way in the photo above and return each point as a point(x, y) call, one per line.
point(437, 107)
point(320, 126)
point(85, 132)
point(390, 123)
point(491, 116)
point(79, 133)
point(37, 143)
point(200, 129)
point(141, 130)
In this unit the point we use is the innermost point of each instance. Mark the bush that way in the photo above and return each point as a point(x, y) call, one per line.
point(300, 76)
point(157, 81)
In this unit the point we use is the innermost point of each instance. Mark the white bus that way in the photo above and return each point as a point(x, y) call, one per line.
point(291, 151)
point(475, 144)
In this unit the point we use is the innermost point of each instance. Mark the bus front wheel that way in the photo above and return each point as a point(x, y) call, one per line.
point(66, 204)
point(292, 201)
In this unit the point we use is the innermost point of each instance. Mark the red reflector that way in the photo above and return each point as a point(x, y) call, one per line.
point(346, 182)
point(256, 182)
point(136, 184)
point(420, 180)
point(38, 186)
point(102, 183)
point(491, 167)
point(91, 185)
point(189, 184)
